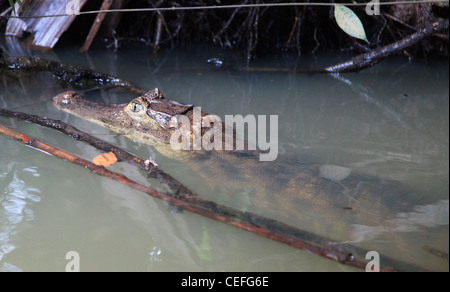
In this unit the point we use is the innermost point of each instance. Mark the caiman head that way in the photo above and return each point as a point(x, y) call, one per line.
point(145, 119)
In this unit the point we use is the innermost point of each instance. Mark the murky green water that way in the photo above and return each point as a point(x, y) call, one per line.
point(390, 122)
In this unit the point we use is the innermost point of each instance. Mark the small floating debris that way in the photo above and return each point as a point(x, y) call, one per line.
point(334, 172)
point(435, 252)
point(105, 159)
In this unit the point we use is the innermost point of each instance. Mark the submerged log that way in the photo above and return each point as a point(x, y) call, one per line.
point(45, 31)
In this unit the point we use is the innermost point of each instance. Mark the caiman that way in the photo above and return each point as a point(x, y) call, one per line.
point(296, 193)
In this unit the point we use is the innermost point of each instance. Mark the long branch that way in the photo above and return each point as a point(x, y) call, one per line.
point(327, 252)
point(186, 200)
point(154, 172)
point(71, 74)
point(181, 192)
point(373, 57)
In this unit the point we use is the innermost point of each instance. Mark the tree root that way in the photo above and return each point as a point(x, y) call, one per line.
point(369, 59)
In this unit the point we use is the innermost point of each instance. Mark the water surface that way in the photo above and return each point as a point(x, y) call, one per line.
point(390, 122)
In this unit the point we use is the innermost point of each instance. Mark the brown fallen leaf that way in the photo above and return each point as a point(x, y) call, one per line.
point(105, 159)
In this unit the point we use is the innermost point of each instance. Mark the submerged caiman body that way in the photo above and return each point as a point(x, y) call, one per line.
point(284, 189)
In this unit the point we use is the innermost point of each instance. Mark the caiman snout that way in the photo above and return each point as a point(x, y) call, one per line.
point(65, 100)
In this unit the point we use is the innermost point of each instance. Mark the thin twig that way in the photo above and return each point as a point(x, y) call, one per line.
point(435, 252)
point(7, 11)
point(391, 17)
point(219, 34)
point(158, 31)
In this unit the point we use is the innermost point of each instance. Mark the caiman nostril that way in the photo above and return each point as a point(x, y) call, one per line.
point(64, 98)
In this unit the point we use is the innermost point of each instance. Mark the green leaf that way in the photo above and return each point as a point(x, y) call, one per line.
point(349, 22)
point(12, 3)
point(20, 5)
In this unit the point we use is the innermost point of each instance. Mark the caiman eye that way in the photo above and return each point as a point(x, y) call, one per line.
point(136, 107)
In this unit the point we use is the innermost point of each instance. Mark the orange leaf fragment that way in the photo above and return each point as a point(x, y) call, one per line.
point(105, 159)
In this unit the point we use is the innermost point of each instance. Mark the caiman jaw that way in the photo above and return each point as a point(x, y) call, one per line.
point(73, 103)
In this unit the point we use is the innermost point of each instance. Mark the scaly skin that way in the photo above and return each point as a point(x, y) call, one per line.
point(283, 188)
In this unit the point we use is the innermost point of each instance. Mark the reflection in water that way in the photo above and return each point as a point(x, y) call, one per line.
point(423, 216)
point(16, 200)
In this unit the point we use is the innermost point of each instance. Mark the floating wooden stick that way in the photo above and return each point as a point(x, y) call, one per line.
point(435, 252)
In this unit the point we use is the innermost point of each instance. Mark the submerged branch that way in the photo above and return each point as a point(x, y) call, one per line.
point(329, 252)
point(435, 252)
point(71, 74)
point(153, 171)
point(188, 201)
